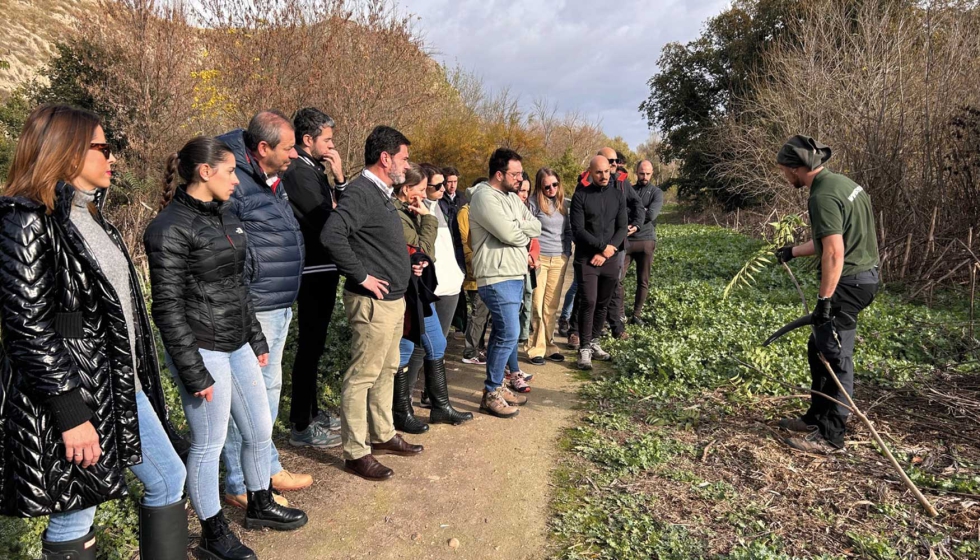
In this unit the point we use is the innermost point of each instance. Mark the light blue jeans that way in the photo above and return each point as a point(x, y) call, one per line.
point(275, 327)
point(239, 393)
point(161, 472)
point(433, 341)
point(503, 299)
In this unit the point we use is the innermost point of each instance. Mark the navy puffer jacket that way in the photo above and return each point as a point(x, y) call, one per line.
point(274, 263)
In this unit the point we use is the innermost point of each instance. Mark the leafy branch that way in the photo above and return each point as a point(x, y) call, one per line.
point(784, 233)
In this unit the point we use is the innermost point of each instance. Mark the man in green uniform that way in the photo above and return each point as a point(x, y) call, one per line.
point(844, 241)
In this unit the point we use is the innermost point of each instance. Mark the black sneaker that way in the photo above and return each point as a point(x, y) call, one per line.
point(635, 320)
point(557, 357)
point(537, 360)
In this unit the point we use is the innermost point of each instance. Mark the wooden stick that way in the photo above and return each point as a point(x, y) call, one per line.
point(930, 510)
point(973, 296)
point(932, 231)
point(905, 259)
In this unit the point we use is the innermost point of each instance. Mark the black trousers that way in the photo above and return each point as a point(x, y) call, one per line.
point(317, 296)
point(853, 294)
point(596, 287)
point(642, 253)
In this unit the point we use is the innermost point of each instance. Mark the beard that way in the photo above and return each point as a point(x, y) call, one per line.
point(397, 178)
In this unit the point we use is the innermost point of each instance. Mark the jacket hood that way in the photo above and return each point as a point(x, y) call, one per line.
point(243, 159)
point(472, 190)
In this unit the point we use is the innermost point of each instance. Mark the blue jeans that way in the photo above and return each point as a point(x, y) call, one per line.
point(161, 472)
point(566, 310)
point(503, 299)
point(433, 341)
point(275, 327)
point(239, 393)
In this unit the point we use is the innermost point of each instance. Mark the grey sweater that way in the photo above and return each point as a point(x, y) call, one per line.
point(111, 260)
point(556, 230)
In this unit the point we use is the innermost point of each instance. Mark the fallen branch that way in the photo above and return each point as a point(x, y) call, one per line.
point(923, 501)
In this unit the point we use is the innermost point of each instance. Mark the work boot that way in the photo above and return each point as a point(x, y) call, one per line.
point(811, 443)
point(585, 359)
point(219, 543)
point(163, 532)
point(263, 511)
point(599, 354)
point(78, 549)
point(285, 481)
point(494, 404)
point(512, 398)
point(435, 385)
point(573, 341)
point(401, 411)
point(796, 425)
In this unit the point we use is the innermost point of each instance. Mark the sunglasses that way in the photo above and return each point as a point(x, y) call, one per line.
point(101, 147)
point(437, 186)
point(614, 160)
point(552, 185)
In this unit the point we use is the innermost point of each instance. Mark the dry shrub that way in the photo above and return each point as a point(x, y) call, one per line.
point(892, 88)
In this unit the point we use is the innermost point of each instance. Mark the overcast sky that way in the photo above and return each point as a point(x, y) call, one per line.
point(587, 56)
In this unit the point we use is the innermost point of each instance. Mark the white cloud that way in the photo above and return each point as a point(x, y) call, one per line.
point(590, 57)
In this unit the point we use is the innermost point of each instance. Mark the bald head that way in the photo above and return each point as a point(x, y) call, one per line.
point(599, 171)
point(608, 153)
point(644, 172)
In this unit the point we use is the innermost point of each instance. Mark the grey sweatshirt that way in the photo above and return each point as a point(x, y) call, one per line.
point(556, 230)
point(111, 260)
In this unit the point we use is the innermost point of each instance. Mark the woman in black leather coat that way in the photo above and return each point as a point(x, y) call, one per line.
point(73, 415)
point(215, 345)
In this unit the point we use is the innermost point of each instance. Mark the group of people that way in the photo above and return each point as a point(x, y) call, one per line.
point(250, 223)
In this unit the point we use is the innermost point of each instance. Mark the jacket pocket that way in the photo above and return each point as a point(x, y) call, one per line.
point(69, 325)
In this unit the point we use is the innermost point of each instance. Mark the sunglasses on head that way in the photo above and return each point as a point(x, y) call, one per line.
point(101, 147)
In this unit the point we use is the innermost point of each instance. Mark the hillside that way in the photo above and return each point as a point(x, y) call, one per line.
point(30, 28)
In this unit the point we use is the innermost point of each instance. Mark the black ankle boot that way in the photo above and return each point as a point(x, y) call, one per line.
point(219, 543)
point(78, 549)
point(163, 532)
point(435, 384)
point(263, 511)
point(401, 411)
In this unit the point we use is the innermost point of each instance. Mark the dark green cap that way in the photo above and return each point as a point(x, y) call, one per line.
point(803, 151)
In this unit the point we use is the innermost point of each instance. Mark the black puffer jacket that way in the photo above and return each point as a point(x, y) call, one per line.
point(197, 261)
point(66, 360)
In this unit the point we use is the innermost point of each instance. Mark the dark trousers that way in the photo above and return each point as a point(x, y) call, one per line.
point(317, 296)
point(596, 287)
point(850, 298)
point(642, 253)
point(459, 319)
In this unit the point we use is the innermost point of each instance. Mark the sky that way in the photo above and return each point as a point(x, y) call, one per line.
point(585, 56)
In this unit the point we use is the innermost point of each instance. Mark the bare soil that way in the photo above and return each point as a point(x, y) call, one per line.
point(485, 483)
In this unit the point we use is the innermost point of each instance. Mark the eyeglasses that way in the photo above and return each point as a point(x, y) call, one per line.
point(102, 147)
point(552, 185)
point(613, 160)
point(437, 186)
point(515, 174)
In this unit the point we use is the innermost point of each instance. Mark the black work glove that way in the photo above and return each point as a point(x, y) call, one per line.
point(824, 330)
point(784, 254)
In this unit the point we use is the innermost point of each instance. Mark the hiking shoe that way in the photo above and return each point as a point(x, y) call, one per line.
point(479, 360)
point(635, 320)
point(811, 443)
point(537, 361)
point(557, 357)
point(315, 435)
point(518, 383)
point(495, 404)
point(796, 425)
point(573, 341)
point(599, 354)
point(512, 398)
point(328, 421)
point(585, 358)
point(562, 326)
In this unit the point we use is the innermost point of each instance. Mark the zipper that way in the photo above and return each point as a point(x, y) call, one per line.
point(234, 253)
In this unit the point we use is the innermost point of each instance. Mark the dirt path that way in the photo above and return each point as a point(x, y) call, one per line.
point(485, 483)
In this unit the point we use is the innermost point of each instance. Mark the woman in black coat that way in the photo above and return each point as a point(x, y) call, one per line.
point(81, 399)
point(215, 345)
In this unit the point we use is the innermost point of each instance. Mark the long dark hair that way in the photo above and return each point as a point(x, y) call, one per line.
point(182, 166)
point(52, 147)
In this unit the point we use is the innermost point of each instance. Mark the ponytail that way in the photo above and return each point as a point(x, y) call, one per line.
point(170, 179)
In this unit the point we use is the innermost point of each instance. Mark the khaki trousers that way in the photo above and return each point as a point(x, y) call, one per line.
point(366, 395)
point(545, 301)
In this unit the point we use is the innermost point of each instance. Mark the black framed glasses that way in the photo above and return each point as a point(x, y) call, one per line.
point(613, 160)
point(101, 147)
point(437, 186)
